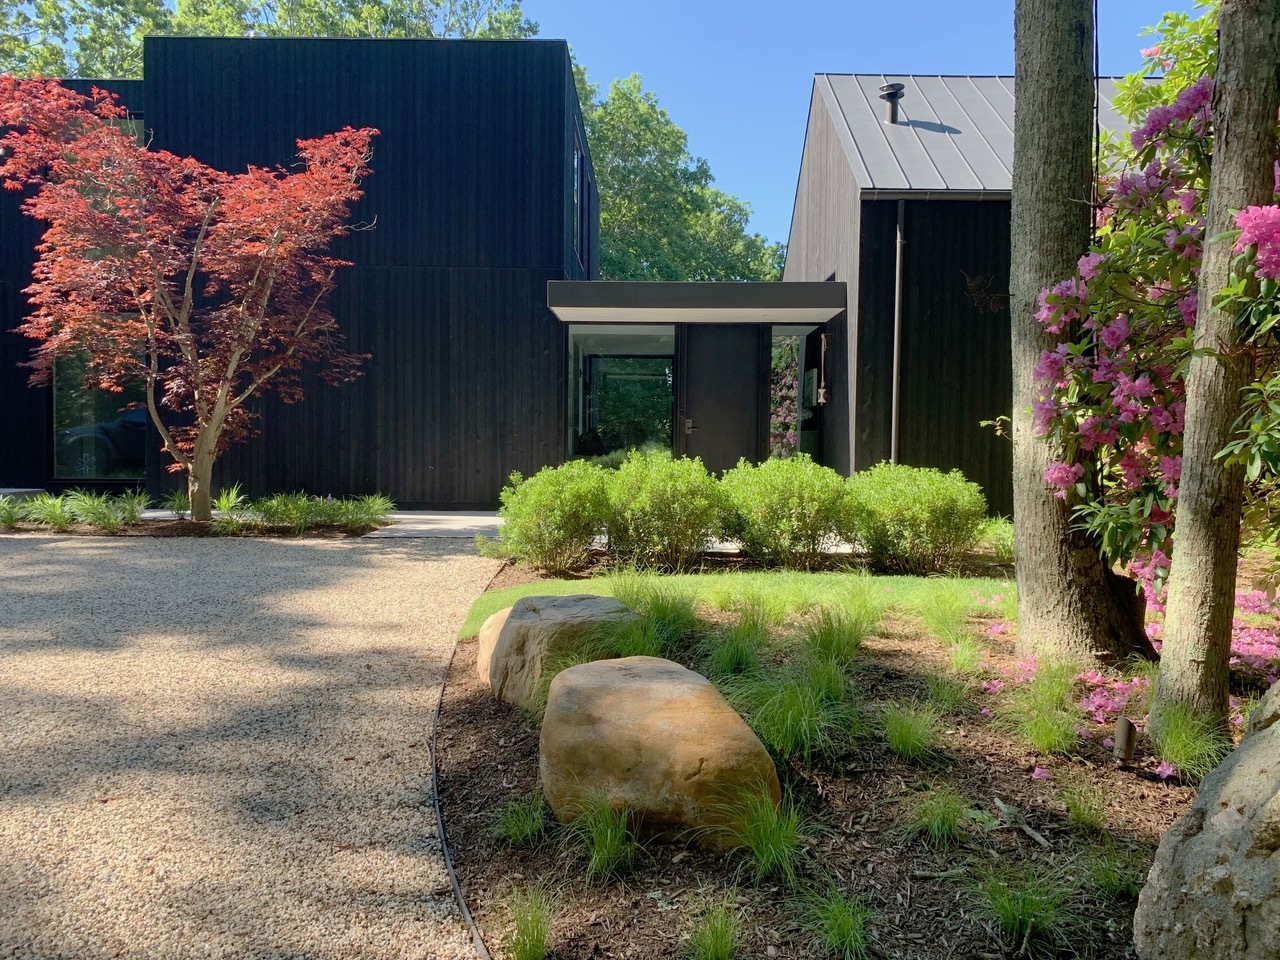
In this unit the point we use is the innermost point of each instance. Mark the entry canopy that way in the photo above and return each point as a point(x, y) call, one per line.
point(640, 301)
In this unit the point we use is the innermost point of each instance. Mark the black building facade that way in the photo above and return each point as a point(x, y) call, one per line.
point(482, 191)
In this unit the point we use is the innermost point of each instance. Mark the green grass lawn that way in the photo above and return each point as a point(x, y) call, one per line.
point(783, 591)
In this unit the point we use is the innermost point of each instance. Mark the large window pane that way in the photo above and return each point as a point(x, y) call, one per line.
point(620, 388)
point(97, 435)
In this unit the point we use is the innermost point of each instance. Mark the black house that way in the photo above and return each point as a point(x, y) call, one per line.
point(482, 191)
point(904, 194)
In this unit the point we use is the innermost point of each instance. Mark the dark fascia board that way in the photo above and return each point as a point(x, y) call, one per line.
point(698, 295)
point(869, 194)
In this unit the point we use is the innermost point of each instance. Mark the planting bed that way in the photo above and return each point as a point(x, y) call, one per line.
point(925, 900)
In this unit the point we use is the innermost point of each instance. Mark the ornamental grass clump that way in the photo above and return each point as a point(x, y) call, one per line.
point(912, 731)
point(716, 934)
point(552, 519)
point(98, 510)
point(49, 511)
point(834, 636)
point(1188, 744)
point(1041, 710)
point(9, 513)
point(735, 650)
point(945, 606)
point(1035, 916)
point(605, 834)
point(532, 914)
point(797, 712)
point(772, 834)
point(839, 922)
point(915, 520)
point(663, 512)
point(523, 821)
point(936, 816)
point(787, 512)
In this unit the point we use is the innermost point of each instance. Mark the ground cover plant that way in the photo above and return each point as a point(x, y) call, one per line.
point(871, 851)
point(285, 514)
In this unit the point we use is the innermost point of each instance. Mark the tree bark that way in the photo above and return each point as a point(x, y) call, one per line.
point(200, 482)
point(1202, 580)
point(1070, 604)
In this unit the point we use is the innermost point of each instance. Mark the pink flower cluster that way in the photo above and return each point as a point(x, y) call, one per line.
point(1255, 654)
point(1260, 228)
point(1105, 697)
point(1191, 107)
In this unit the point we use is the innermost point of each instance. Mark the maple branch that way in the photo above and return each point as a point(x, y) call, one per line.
point(153, 377)
point(297, 334)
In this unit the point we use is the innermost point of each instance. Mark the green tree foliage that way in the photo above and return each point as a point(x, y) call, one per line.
point(103, 38)
point(661, 216)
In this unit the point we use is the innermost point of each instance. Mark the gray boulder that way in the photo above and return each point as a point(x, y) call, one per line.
point(1214, 891)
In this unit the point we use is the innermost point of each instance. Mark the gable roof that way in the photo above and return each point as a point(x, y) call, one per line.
point(953, 135)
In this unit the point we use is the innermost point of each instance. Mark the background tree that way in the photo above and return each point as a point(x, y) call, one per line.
point(77, 38)
point(1070, 604)
point(209, 288)
point(1202, 578)
point(661, 216)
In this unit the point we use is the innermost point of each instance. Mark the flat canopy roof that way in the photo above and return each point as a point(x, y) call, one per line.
point(640, 301)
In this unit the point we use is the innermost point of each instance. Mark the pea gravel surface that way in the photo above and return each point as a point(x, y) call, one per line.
point(221, 747)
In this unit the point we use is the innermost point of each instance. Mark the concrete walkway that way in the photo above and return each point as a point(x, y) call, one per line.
point(413, 524)
point(220, 747)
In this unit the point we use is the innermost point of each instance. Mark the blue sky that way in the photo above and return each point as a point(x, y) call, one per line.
point(737, 75)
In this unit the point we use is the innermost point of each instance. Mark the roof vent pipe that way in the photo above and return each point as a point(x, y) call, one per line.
point(891, 93)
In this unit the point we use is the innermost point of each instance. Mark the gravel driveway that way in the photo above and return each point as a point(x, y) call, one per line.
point(220, 748)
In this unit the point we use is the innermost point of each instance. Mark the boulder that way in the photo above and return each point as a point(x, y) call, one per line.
point(1214, 891)
point(658, 740)
point(487, 640)
point(536, 632)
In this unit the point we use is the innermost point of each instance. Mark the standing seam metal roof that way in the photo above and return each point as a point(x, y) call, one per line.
point(953, 135)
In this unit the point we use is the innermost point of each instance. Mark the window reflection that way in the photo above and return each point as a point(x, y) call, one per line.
point(97, 435)
point(620, 388)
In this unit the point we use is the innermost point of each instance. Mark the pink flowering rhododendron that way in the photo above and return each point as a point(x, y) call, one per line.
point(1260, 227)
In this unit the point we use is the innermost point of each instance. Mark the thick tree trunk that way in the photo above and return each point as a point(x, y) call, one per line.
point(1202, 581)
point(1070, 605)
point(200, 483)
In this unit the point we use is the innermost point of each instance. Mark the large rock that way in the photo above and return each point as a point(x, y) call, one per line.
point(487, 640)
point(1214, 891)
point(659, 740)
point(535, 633)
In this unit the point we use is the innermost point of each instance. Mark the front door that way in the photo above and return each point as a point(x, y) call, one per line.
point(722, 394)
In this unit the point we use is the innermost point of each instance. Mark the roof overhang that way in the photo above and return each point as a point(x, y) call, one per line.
point(631, 301)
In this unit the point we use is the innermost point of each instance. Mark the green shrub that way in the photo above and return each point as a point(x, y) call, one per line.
point(663, 512)
point(1190, 741)
point(605, 833)
point(551, 519)
point(532, 911)
point(787, 512)
point(912, 731)
point(616, 458)
point(840, 923)
point(717, 934)
point(915, 520)
point(523, 821)
point(49, 511)
point(10, 513)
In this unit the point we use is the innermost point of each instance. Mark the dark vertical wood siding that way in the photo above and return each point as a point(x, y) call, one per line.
point(877, 283)
point(956, 360)
point(823, 245)
point(471, 197)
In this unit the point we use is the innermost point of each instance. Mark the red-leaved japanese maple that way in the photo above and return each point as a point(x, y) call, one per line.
point(208, 287)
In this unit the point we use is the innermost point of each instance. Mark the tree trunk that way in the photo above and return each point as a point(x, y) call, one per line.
point(200, 482)
point(1202, 580)
point(1070, 605)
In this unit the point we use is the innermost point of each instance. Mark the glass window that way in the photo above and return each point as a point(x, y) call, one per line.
point(620, 388)
point(793, 376)
point(97, 434)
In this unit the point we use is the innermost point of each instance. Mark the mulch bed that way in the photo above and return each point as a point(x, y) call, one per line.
point(923, 899)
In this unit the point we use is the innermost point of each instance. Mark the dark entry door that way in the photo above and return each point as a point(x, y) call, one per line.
point(722, 393)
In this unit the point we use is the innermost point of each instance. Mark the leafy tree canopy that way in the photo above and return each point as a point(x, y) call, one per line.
point(661, 216)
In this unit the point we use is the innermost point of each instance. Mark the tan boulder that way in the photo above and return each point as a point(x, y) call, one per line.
point(658, 740)
point(487, 640)
point(538, 631)
point(1214, 890)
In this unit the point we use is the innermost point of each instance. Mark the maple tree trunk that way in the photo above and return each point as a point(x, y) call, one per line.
point(1202, 581)
point(200, 480)
point(1070, 604)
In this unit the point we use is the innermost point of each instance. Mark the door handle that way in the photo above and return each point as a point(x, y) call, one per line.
point(689, 427)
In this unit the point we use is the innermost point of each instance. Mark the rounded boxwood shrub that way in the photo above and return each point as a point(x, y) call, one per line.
point(551, 518)
point(788, 512)
point(663, 512)
point(915, 519)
